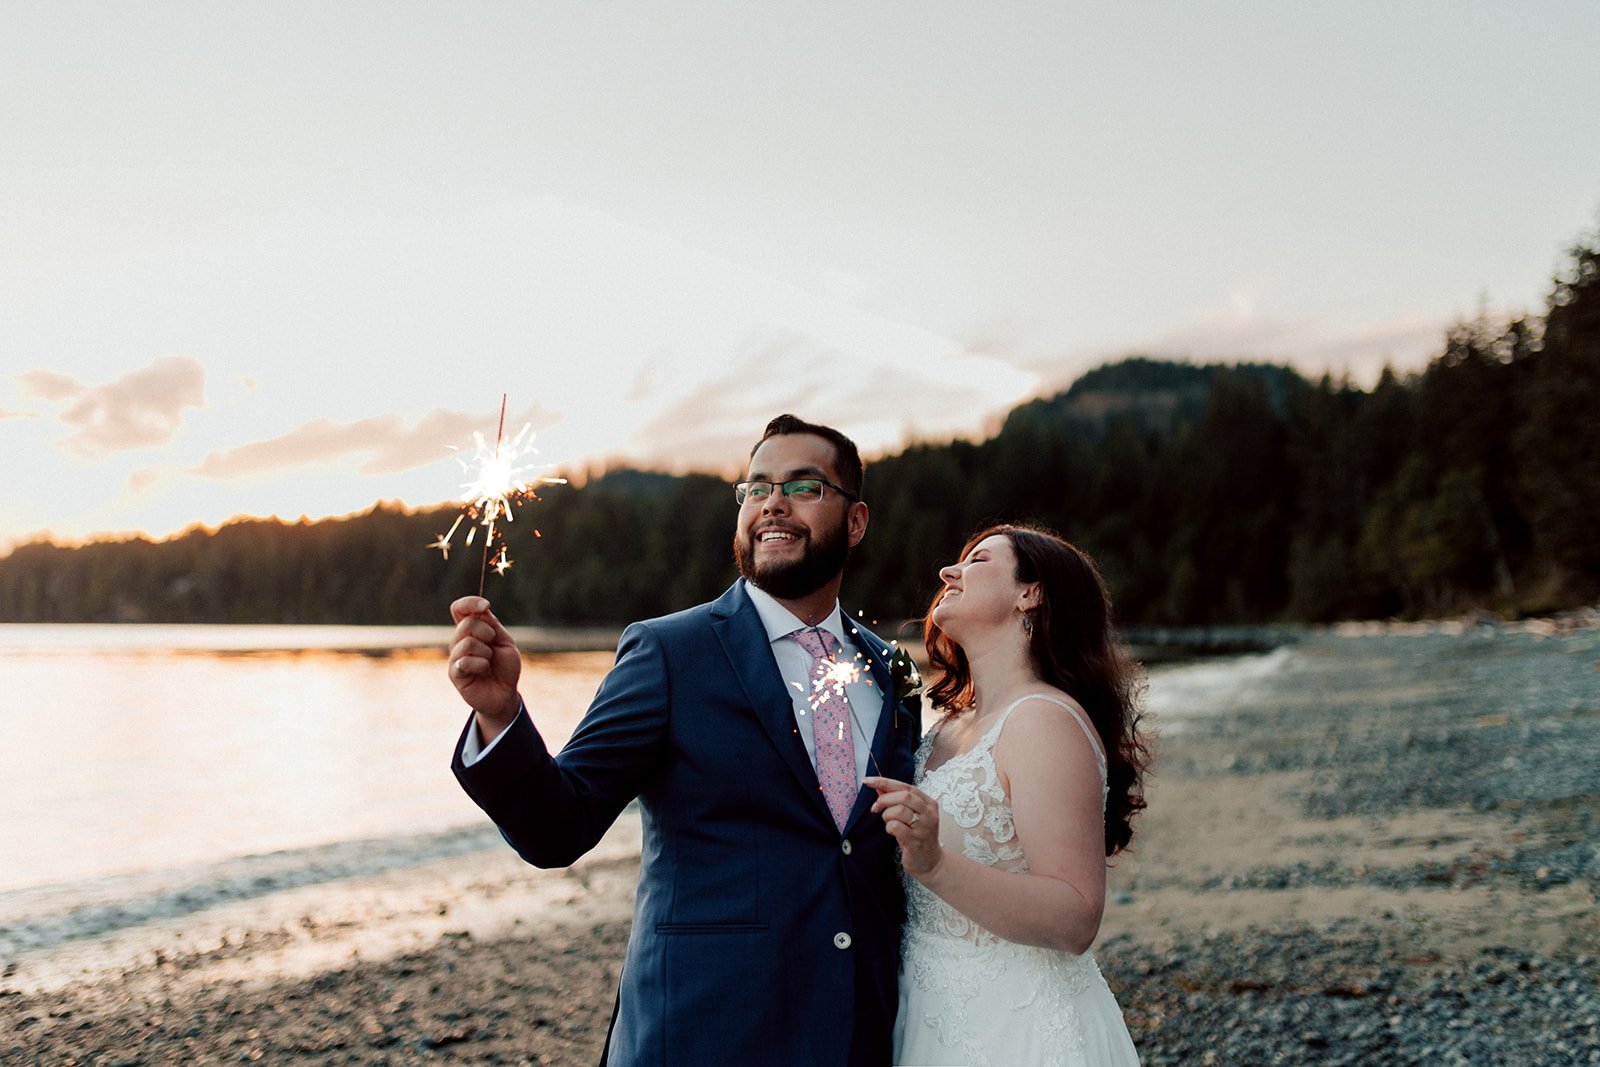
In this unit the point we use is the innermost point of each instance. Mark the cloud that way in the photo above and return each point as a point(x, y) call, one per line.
point(1403, 343)
point(1306, 344)
point(138, 410)
point(880, 405)
point(713, 427)
point(4, 414)
point(1237, 331)
point(387, 442)
point(49, 385)
point(141, 480)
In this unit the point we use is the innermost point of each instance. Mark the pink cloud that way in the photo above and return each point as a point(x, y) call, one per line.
point(714, 428)
point(1307, 344)
point(49, 385)
point(1311, 346)
point(140, 409)
point(141, 480)
point(388, 442)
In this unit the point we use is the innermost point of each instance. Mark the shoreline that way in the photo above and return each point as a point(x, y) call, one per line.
point(1166, 642)
point(250, 639)
point(479, 950)
point(301, 930)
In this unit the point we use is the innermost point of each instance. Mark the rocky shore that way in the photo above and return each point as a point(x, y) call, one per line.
point(1386, 853)
point(1382, 848)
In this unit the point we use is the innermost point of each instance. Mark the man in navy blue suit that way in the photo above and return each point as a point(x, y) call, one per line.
point(767, 923)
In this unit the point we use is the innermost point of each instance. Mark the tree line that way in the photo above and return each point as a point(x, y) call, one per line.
point(1209, 493)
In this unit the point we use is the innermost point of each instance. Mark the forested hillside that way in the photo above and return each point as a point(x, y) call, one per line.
point(1209, 493)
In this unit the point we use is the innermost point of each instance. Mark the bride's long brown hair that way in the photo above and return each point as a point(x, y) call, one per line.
point(1074, 647)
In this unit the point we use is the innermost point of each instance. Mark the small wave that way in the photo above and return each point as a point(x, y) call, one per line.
point(1196, 689)
point(46, 916)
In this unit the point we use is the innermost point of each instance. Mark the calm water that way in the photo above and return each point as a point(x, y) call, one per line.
point(124, 748)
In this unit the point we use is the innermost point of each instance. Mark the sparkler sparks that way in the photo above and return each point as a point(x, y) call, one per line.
point(835, 676)
point(443, 543)
point(499, 483)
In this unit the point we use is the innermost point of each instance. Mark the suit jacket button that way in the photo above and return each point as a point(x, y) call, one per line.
point(844, 846)
point(841, 940)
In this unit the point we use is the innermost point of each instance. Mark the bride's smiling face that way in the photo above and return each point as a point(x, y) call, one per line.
point(982, 591)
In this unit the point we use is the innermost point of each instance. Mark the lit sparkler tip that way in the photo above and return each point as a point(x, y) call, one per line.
point(500, 478)
point(836, 676)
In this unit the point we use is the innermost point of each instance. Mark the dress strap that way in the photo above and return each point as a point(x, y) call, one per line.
point(1077, 717)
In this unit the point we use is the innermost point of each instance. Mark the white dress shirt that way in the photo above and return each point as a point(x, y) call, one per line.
point(794, 663)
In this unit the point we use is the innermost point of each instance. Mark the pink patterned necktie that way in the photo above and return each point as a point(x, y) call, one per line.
point(830, 721)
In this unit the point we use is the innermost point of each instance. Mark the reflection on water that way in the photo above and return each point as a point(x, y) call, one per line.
point(125, 748)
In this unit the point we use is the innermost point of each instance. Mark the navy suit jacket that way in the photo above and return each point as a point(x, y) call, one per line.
point(761, 933)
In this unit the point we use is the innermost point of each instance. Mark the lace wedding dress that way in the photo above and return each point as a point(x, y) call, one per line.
point(969, 997)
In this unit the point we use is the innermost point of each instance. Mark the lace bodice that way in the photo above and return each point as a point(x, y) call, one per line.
point(975, 816)
point(953, 965)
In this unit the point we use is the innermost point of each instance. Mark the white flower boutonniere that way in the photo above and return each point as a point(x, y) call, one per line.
point(907, 679)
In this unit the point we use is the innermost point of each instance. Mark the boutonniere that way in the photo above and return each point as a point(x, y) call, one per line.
point(905, 676)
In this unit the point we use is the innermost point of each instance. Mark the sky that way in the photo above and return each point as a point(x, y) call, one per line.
point(279, 259)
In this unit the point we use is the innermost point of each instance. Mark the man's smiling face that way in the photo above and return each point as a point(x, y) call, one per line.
point(792, 548)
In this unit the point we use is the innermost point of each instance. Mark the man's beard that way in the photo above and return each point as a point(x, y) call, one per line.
point(823, 560)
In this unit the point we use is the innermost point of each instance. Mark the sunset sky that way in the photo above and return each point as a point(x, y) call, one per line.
point(276, 258)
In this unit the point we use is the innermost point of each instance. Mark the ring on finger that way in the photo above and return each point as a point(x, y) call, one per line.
point(915, 816)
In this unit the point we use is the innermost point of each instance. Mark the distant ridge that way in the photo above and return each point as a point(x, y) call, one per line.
point(1155, 393)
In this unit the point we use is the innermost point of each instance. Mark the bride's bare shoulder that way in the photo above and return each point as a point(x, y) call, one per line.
point(1047, 721)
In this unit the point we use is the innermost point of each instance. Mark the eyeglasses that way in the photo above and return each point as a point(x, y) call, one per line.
point(805, 490)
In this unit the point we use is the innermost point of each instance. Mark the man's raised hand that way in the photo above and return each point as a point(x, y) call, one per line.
point(484, 665)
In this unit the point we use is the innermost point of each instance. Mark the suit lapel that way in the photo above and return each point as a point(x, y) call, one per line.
point(744, 641)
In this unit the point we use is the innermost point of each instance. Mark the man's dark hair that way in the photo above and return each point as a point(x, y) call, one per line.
point(846, 457)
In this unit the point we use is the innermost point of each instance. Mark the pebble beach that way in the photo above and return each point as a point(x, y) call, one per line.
point(1375, 845)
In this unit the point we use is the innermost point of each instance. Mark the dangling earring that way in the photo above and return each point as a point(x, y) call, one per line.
point(1027, 624)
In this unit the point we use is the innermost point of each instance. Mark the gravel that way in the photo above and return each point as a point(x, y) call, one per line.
point(1499, 722)
point(1495, 719)
point(1350, 996)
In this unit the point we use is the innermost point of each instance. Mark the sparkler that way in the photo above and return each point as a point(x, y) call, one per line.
point(499, 483)
point(836, 675)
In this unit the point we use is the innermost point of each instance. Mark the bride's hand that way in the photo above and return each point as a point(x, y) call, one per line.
point(912, 818)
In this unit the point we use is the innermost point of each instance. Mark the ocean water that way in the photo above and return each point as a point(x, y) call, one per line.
point(147, 771)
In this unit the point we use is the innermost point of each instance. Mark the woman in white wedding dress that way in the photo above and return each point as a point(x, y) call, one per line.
point(1023, 788)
